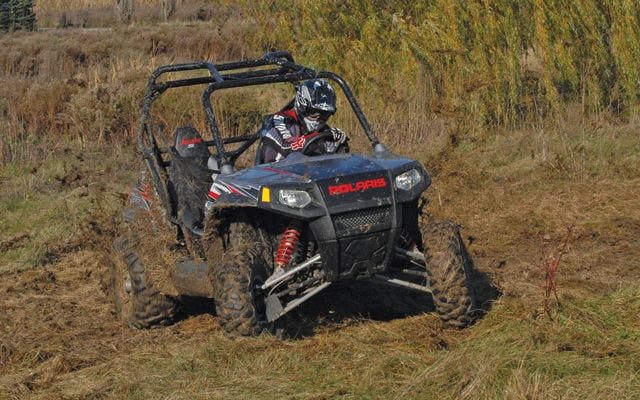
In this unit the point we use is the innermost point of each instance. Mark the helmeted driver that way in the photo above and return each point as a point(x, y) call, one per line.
point(287, 131)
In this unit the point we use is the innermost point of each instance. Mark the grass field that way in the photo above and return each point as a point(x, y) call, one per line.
point(68, 109)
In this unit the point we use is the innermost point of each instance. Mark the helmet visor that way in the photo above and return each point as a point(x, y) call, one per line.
point(317, 115)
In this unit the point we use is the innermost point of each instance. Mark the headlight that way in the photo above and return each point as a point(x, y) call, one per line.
point(408, 180)
point(294, 198)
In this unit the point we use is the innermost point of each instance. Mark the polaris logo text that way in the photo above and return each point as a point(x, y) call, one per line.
point(357, 186)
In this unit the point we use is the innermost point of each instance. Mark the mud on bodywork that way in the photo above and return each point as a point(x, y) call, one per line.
point(300, 224)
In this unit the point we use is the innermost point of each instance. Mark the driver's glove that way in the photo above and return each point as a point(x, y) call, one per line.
point(339, 137)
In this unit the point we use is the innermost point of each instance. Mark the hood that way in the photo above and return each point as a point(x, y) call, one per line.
point(298, 169)
point(318, 168)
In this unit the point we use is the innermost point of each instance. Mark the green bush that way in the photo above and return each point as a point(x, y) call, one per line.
point(17, 14)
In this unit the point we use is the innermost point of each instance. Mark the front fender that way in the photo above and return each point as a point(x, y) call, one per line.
point(234, 200)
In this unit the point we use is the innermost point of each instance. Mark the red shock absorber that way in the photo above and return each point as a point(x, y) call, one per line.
point(288, 244)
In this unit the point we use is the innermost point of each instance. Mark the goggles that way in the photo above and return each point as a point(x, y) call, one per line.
point(317, 115)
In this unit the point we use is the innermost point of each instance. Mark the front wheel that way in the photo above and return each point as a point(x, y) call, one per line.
point(239, 300)
point(448, 267)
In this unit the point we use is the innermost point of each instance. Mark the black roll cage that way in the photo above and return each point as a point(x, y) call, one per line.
point(277, 67)
point(232, 75)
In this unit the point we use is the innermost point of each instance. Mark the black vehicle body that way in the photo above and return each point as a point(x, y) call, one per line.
point(355, 213)
point(321, 218)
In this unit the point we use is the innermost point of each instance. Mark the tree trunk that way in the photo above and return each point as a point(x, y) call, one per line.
point(168, 8)
point(124, 10)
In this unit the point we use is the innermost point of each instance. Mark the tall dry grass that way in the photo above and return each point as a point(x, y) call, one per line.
point(102, 13)
point(430, 76)
point(496, 61)
point(425, 71)
point(87, 85)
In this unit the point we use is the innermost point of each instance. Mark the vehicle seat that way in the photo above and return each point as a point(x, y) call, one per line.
point(190, 144)
point(262, 132)
point(190, 177)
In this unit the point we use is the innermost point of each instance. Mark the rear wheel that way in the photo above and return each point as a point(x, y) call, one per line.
point(239, 300)
point(137, 303)
point(448, 266)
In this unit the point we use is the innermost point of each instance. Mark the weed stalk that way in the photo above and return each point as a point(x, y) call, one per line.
point(550, 265)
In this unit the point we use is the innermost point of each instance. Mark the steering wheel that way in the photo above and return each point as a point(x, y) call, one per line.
point(313, 146)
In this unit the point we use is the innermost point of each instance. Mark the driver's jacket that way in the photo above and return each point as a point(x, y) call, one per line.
point(282, 134)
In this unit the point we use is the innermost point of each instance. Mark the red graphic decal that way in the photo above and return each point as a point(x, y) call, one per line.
point(298, 144)
point(143, 192)
point(233, 190)
point(357, 186)
point(280, 171)
point(214, 195)
point(186, 142)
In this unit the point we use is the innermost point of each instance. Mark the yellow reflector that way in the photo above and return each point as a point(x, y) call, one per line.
point(266, 195)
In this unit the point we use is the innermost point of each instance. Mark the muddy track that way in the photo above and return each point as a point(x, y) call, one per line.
point(57, 319)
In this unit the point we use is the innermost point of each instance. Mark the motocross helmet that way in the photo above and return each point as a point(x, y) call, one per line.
point(315, 103)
